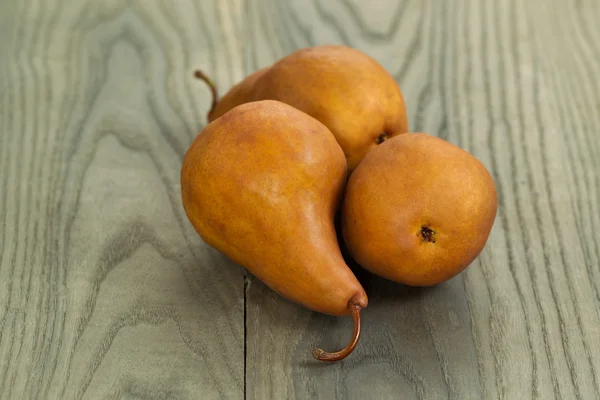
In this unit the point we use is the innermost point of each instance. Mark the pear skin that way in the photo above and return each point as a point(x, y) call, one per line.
point(418, 210)
point(342, 87)
point(236, 96)
point(262, 184)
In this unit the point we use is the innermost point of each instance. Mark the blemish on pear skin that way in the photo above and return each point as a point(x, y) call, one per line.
point(427, 234)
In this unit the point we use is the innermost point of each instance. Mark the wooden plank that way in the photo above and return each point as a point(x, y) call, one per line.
point(105, 290)
point(514, 83)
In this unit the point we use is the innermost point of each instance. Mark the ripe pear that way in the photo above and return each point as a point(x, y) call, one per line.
point(418, 210)
point(237, 95)
point(344, 88)
point(262, 184)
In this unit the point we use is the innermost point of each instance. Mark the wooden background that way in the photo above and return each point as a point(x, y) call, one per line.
point(106, 291)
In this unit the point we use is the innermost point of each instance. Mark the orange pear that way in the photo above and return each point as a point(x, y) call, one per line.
point(262, 184)
point(418, 210)
point(344, 88)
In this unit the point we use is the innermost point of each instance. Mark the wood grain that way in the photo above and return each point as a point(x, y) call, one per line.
point(105, 290)
point(515, 83)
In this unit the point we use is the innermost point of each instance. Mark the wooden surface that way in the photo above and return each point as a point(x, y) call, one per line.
point(106, 291)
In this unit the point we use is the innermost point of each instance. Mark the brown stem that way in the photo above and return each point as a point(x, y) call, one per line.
point(213, 88)
point(322, 355)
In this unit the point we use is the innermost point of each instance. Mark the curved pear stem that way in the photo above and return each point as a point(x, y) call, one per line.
point(322, 355)
point(213, 89)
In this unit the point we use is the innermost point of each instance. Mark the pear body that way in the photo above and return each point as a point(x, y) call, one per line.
point(239, 94)
point(418, 210)
point(261, 184)
point(342, 87)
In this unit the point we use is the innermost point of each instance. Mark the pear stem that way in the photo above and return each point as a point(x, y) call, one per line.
point(213, 89)
point(322, 355)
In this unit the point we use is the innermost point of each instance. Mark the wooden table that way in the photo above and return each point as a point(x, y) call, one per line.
point(107, 292)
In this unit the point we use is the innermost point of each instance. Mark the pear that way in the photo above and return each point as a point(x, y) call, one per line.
point(344, 88)
point(237, 95)
point(418, 210)
point(262, 184)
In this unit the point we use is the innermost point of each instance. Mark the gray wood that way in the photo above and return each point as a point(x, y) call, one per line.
point(515, 83)
point(105, 290)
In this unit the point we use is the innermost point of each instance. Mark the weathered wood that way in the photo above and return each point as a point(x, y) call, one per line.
point(105, 290)
point(515, 84)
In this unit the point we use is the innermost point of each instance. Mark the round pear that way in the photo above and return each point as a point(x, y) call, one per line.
point(418, 210)
point(345, 89)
